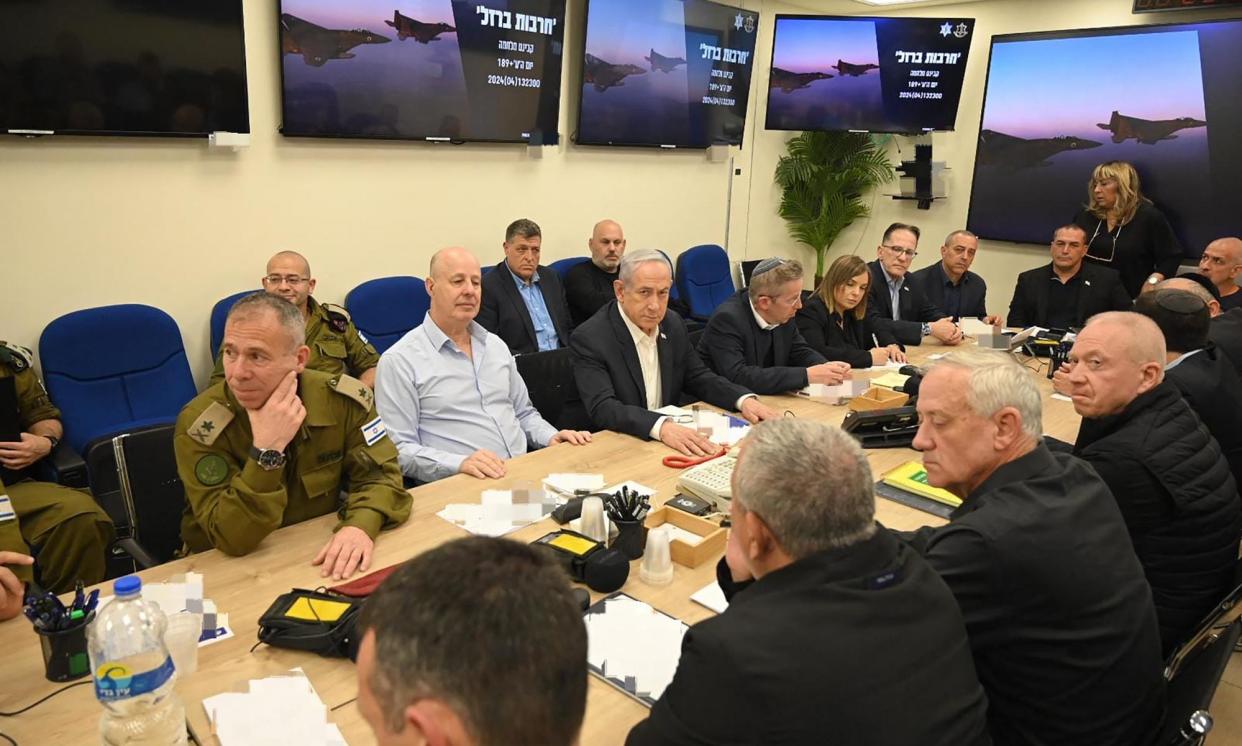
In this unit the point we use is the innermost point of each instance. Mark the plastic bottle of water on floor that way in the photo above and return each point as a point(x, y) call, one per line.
point(134, 673)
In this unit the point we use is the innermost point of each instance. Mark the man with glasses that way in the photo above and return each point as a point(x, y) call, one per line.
point(752, 340)
point(1222, 263)
point(336, 345)
point(899, 303)
point(950, 285)
point(1066, 292)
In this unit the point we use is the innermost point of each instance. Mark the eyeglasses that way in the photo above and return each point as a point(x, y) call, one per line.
point(281, 279)
point(788, 300)
point(899, 251)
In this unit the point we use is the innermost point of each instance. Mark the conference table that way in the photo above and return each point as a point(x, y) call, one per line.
point(244, 587)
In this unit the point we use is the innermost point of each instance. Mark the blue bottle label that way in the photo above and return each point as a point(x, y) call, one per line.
point(115, 681)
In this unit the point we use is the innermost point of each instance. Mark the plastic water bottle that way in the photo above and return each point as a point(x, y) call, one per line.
point(134, 673)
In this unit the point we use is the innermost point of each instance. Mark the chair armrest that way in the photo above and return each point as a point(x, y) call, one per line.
point(64, 466)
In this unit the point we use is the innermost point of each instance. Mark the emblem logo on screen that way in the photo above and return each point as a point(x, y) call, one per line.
point(961, 30)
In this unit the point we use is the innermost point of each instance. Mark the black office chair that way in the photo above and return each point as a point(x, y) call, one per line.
point(134, 478)
point(1194, 670)
point(549, 378)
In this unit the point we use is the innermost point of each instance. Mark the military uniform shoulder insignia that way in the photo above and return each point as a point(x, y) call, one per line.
point(208, 426)
point(17, 357)
point(338, 317)
point(352, 388)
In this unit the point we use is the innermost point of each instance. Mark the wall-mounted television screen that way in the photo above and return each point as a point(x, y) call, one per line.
point(671, 73)
point(484, 70)
point(1167, 99)
point(867, 74)
point(131, 67)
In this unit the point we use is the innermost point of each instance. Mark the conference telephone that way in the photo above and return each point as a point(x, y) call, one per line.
point(710, 481)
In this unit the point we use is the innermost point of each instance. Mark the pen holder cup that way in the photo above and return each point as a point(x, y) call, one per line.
point(631, 538)
point(64, 652)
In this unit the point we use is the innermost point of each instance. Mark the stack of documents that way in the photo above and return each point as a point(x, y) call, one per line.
point(633, 646)
point(565, 485)
point(725, 430)
point(499, 512)
point(277, 711)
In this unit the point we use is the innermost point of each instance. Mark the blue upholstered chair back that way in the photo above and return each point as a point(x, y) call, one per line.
point(219, 313)
point(114, 368)
point(562, 266)
point(704, 279)
point(385, 309)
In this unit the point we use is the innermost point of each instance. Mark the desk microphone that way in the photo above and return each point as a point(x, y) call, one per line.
point(911, 386)
point(586, 560)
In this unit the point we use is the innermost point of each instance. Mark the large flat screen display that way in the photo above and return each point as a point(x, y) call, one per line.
point(131, 67)
point(1167, 99)
point(867, 74)
point(665, 73)
point(485, 70)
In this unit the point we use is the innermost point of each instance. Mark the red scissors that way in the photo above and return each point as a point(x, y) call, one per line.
point(682, 461)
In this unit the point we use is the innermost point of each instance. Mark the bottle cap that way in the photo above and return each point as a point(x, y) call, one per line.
point(127, 585)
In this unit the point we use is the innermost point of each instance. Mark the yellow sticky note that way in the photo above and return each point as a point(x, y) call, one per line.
point(317, 610)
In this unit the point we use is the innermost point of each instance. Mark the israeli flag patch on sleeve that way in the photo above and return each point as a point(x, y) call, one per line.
point(6, 509)
point(373, 431)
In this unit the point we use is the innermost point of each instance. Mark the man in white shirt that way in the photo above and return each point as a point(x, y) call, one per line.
point(631, 358)
point(449, 390)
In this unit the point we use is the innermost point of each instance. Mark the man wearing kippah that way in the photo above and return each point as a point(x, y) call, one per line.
point(752, 340)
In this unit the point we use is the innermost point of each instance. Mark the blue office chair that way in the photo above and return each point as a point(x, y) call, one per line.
point(704, 279)
point(114, 369)
point(562, 266)
point(219, 313)
point(385, 309)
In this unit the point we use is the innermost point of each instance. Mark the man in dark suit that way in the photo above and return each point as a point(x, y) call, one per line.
point(1226, 333)
point(896, 300)
point(823, 644)
point(752, 340)
point(1195, 367)
point(632, 357)
point(1057, 608)
point(523, 301)
point(1066, 292)
point(949, 284)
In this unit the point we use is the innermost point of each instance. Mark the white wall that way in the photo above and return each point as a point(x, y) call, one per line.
point(94, 221)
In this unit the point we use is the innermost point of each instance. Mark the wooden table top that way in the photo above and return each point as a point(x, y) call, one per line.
point(243, 587)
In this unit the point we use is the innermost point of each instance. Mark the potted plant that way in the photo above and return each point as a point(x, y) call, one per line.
point(823, 178)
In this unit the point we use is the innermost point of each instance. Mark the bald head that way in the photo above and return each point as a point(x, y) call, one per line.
point(1117, 357)
point(1230, 245)
point(446, 260)
point(1222, 264)
point(455, 285)
point(289, 276)
point(607, 245)
point(289, 259)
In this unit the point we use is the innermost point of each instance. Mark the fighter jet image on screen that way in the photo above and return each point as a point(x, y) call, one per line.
point(423, 33)
point(317, 44)
point(604, 75)
point(1147, 131)
point(662, 63)
point(854, 71)
point(999, 149)
point(789, 82)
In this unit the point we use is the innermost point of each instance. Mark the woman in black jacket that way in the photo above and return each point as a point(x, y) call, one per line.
point(833, 319)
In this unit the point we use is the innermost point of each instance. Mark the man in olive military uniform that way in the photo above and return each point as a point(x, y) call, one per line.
point(336, 345)
point(273, 444)
point(65, 529)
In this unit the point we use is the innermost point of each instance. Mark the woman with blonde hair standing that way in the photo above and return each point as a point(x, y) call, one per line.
point(1127, 232)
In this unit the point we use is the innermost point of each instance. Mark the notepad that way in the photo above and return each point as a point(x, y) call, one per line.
point(890, 380)
point(911, 476)
point(633, 646)
point(276, 711)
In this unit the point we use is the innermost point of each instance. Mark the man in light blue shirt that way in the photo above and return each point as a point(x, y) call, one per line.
point(449, 391)
point(523, 301)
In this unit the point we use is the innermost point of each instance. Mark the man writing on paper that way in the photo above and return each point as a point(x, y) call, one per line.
point(450, 391)
point(752, 340)
point(825, 640)
point(478, 642)
point(631, 358)
point(273, 444)
point(336, 346)
point(1058, 612)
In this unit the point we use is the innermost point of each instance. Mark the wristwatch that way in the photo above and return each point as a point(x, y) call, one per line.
point(53, 440)
point(267, 459)
point(926, 329)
